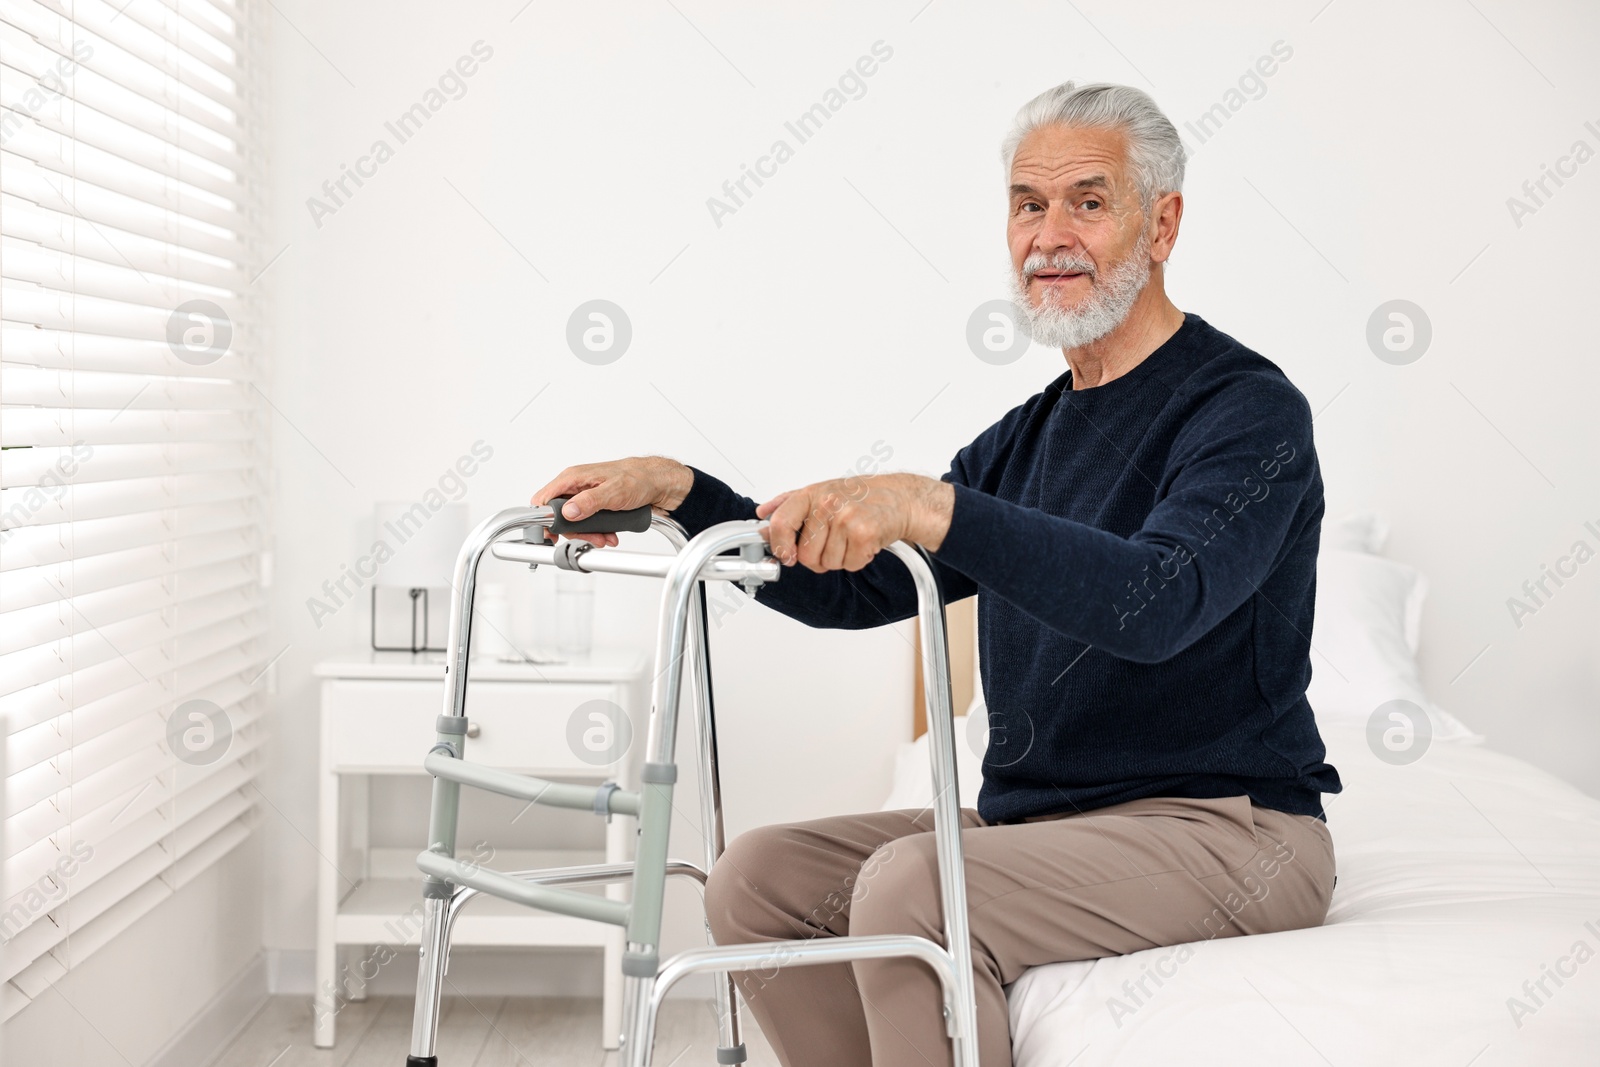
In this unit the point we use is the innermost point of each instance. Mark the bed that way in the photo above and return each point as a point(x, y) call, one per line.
point(1465, 923)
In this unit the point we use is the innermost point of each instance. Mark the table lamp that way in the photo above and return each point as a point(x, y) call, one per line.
point(423, 545)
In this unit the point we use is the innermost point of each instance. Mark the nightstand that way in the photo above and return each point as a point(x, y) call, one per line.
point(378, 712)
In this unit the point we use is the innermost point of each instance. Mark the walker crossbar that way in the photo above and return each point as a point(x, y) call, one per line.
point(808, 953)
point(451, 883)
point(617, 561)
point(523, 891)
point(584, 874)
point(526, 787)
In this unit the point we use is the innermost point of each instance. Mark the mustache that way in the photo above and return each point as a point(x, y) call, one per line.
point(1062, 261)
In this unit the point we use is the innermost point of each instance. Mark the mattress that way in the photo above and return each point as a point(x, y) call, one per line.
point(1464, 929)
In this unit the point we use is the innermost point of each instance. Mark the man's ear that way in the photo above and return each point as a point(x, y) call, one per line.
point(1165, 218)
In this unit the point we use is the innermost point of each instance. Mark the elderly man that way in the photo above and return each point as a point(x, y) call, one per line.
point(1144, 531)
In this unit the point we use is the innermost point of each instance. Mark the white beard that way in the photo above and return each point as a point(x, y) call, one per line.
point(1110, 297)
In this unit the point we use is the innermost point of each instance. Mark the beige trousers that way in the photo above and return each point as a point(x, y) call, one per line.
point(1152, 872)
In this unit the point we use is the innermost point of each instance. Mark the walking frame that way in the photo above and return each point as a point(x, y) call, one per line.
point(451, 884)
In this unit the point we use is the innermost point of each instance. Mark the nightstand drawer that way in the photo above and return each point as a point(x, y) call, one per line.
point(389, 725)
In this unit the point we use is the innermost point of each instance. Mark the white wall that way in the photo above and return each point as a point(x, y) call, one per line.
point(829, 312)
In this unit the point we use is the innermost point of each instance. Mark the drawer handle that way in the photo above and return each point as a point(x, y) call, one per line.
point(473, 729)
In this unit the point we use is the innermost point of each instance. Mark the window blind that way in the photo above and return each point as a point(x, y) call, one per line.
point(133, 450)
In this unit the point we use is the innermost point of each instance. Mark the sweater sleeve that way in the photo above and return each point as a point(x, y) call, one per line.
point(881, 592)
point(1228, 506)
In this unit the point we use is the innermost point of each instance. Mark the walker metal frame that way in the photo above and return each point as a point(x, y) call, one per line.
point(450, 884)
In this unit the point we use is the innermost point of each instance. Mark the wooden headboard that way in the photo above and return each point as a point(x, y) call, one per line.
point(961, 624)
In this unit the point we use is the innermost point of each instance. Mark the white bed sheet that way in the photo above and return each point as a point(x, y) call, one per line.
point(1461, 877)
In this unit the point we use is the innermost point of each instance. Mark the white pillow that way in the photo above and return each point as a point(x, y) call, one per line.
point(913, 769)
point(1364, 531)
point(1364, 641)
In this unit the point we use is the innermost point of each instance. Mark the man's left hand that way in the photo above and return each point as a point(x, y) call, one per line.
point(843, 523)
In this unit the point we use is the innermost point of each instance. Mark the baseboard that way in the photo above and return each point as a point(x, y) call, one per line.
point(474, 972)
point(204, 1037)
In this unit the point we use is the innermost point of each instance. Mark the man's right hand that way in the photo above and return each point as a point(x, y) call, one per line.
point(619, 485)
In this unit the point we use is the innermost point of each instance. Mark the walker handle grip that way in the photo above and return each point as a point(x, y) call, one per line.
point(636, 520)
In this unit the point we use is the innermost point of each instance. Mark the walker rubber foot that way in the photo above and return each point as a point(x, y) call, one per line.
point(422, 1061)
point(736, 1054)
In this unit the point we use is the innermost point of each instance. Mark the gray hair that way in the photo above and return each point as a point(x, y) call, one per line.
point(1154, 149)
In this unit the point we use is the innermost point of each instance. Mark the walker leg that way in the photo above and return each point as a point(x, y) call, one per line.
point(730, 1043)
point(640, 960)
point(677, 637)
point(639, 1019)
point(434, 948)
point(961, 1019)
point(435, 940)
point(435, 954)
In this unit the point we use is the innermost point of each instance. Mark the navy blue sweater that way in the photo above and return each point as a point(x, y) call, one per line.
point(1147, 552)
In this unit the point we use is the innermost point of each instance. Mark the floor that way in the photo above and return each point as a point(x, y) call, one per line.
point(476, 1032)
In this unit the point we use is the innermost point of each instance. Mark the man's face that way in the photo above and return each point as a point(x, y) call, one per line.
point(1076, 230)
